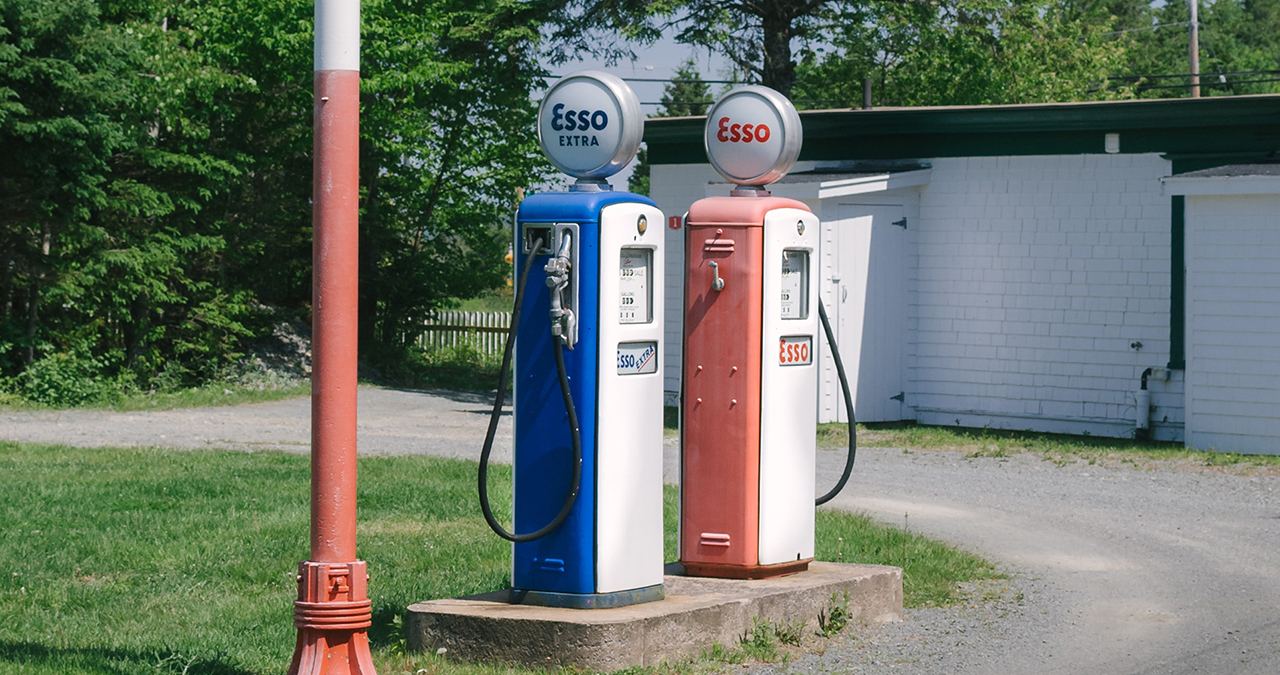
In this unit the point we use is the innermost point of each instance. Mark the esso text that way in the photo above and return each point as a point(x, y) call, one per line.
point(577, 120)
point(733, 132)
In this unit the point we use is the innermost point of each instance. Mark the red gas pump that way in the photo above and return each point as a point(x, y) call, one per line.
point(749, 400)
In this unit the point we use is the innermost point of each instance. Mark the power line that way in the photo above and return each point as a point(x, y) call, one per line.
point(1208, 84)
point(1222, 74)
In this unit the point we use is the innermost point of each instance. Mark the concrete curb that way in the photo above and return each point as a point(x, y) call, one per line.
point(696, 614)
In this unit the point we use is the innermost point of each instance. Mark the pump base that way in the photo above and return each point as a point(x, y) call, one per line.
point(634, 596)
point(723, 571)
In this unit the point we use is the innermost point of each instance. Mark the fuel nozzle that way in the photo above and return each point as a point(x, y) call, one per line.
point(559, 268)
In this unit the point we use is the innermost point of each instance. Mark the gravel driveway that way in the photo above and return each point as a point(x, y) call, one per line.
point(1117, 569)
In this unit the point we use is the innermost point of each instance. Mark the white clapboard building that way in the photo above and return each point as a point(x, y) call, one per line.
point(1031, 267)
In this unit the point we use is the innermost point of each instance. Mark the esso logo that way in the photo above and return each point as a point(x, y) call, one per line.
point(753, 136)
point(571, 120)
point(590, 124)
point(729, 131)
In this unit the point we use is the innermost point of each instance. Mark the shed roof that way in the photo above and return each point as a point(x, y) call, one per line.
point(1193, 133)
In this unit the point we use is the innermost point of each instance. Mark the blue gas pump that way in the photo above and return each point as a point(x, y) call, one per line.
point(586, 334)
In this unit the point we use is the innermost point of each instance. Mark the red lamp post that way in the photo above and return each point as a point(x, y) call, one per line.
point(333, 612)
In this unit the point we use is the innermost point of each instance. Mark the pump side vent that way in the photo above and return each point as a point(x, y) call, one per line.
point(718, 245)
point(714, 539)
point(549, 564)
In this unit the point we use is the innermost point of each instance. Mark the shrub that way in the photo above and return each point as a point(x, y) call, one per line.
point(70, 379)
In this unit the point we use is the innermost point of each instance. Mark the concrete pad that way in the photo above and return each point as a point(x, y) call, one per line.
point(696, 614)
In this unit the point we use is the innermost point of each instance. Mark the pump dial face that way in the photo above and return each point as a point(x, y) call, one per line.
point(590, 124)
point(753, 135)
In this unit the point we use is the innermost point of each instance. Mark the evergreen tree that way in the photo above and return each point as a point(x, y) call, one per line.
point(686, 95)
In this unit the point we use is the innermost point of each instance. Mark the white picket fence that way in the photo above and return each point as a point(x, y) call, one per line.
point(486, 330)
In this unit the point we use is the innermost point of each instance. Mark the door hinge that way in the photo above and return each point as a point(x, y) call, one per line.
point(900, 398)
point(901, 223)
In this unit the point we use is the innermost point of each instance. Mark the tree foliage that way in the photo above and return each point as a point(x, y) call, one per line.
point(685, 95)
point(964, 52)
point(155, 196)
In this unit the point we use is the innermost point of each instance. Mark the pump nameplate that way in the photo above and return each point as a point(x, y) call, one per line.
point(635, 358)
point(795, 350)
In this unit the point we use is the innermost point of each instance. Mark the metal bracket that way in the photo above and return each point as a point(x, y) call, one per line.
point(562, 279)
point(901, 223)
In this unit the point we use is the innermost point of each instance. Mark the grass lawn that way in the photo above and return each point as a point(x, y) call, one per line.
point(121, 561)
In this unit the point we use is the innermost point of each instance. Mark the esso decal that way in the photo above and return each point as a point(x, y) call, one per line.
point(753, 135)
point(732, 132)
point(590, 124)
point(796, 350)
point(571, 120)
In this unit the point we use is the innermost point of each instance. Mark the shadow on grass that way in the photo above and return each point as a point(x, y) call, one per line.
point(112, 661)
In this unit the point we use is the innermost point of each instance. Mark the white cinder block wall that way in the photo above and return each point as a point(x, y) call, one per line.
point(1035, 275)
point(1233, 317)
point(1032, 277)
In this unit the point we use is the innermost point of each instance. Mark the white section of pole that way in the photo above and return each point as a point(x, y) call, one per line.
point(337, 45)
point(1195, 48)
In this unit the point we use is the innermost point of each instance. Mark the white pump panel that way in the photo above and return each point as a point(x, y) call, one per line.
point(788, 386)
point(629, 435)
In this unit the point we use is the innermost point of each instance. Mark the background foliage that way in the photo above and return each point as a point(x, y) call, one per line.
point(156, 183)
point(155, 194)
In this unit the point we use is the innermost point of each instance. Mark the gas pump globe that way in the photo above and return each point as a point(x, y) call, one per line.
point(749, 380)
point(587, 337)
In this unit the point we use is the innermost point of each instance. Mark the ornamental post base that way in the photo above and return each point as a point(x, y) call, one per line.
point(332, 615)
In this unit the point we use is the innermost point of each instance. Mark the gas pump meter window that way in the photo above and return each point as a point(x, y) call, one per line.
point(795, 284)
point(635, 292)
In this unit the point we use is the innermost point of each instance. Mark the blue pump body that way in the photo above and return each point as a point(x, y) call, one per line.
point(563, 561)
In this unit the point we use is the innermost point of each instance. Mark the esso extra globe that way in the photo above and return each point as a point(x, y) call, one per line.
point(753, 136)
point(590, 124)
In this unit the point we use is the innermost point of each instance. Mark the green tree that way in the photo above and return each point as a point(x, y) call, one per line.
point(756, 35)
point(686, 95)
point(106, 168)
point(966, 52)
point(448, 137)
point(1237, 37)
point(157, 183)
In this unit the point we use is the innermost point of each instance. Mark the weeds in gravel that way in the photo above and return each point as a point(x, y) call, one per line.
point(835, 617)
point(761, 642)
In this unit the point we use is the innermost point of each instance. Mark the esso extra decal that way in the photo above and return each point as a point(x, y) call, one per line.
point(795, 350)
point(733, 132)
point(635, 358)
point(573, 120)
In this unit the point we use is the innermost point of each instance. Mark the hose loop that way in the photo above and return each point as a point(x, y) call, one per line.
point(848, 407)
point(575, 434)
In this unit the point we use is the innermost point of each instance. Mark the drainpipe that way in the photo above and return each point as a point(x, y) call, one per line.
point(1142, 412)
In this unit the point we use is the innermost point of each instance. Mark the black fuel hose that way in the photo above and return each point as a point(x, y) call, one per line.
point(848, 407)
point(575, 434)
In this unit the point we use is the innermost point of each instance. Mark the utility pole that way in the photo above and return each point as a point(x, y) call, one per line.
point(1195, 48)
point(333, 612)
